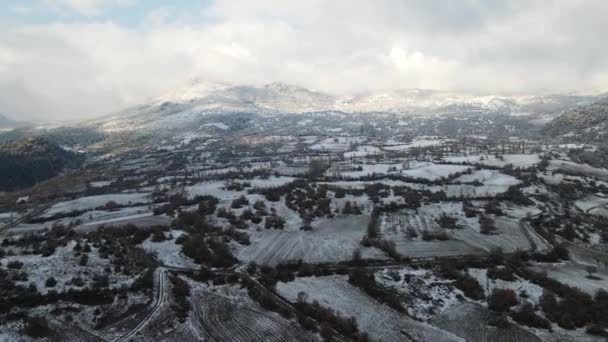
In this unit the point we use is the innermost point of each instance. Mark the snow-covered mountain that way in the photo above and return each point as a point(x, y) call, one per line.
point(588, 123)
point(6, 122)
point(181, 107)
point(280, 97)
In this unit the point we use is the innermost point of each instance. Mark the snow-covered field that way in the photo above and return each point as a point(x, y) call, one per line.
point(338, 144)
point(525, 290)
point(140, 220)
point(434, 171)
point(101, 184)
point(92, 202)
point(510, 237)
point(217, 188)
point(470, 321)
point(168, 252)
point(226, 313)
point(368, 169)
point(575, 275)
point(63, 265)
point(517, 160)
point(378, 320)
point(416, 143)
point(331, 240)
point(578, 169)
point(489, 177)
point(363, 151)
point(427, 294)
point(589, 203)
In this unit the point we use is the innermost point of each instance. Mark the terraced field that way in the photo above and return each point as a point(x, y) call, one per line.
point(227, 315)
point(331, 240)
point(378, 320)
point(509, 237)
point(470, 321)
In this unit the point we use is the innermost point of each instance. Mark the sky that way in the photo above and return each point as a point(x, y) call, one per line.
point(75, 59)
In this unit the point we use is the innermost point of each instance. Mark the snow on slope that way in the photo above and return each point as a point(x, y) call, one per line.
point(379, 321)
point(184, 105)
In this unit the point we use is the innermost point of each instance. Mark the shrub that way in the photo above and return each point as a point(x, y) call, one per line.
point(239, 202)
point(503, 273)
point(14, 265)
point(486, 225)
point(526, 316)
point(502, 300)
point(37, 327)
point(447, 222)
point(50, 282)
point(470, 287)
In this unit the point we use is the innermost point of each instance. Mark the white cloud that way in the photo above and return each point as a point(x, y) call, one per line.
point(85, 7)
point(81, 69)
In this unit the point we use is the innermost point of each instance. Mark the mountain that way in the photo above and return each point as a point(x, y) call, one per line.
point(182, 108)
point(587, 123)
point(26, 162)
point(6, 122)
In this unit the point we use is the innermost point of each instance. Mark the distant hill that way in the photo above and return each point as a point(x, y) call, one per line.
point(587, 123)
point(184, 109)
point(25, 162)
point(6, 122)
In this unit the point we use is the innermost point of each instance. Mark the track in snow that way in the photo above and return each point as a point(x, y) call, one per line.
point(218, 317)
point(160, 299)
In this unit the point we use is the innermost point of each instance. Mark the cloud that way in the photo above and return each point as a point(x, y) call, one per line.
point(85, 7)
point(90, 67)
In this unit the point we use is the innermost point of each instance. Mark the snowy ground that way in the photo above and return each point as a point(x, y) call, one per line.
point(575, 275)
point(140, 220)
point(488, 177)
point(338, 144)
point(451, 190)
point(427, 295)
point(168, 252)
point(578, 169)
point(416, 143)
point(63, 265)
point(92, 202)
point(589, 203)
point(517, 160)
point(470, 321)
point(217, 188)
point(363, 151)
point(434, 171)
point(226, 313)
point(509, 236)
point(331, 240)
point(379, 321)
point(525, 290)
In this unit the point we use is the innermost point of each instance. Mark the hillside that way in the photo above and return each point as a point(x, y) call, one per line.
point(26, 162)
point(186, 108)
point(6, 122)
point(588, 123)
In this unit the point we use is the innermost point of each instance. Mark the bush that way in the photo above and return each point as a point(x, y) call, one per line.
point(239, 202)
point(597, 330)
point(503, 273)
point(470, 287)
point(274, 222)
point(447, 222)
point(50, 282)
point(37, 327)
point(526, 316)
point(486, 225)
point(14, 265)
point(501, 300)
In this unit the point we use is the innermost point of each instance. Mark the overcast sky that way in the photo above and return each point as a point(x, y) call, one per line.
point(73, 59)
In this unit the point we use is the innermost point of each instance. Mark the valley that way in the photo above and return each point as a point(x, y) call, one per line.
point(456, 223)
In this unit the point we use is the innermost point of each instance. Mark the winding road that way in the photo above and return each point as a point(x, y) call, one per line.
point(160, 299)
